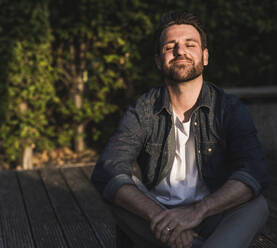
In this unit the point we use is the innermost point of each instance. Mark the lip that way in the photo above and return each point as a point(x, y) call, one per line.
point(182, 61)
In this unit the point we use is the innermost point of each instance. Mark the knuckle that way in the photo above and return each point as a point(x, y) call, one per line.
point(159, 228)
point(171, 240)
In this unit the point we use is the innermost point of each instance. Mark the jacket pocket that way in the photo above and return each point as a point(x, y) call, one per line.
point(208, 148)
point(153, 148)
point(213, 160)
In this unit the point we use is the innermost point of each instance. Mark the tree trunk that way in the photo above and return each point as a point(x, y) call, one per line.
point(79, 142)
point(27, 155)
point(27, 151)
point(79, 139)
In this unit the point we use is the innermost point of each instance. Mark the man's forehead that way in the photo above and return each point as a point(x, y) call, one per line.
point(180, 31)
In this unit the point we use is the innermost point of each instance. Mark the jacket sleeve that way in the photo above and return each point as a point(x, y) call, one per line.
point(114, 167)
point(244, 149)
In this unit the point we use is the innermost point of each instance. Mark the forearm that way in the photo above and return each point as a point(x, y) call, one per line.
point(231, 194)
point(135, 201)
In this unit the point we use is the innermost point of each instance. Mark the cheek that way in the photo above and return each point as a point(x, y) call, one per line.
point(167, 58)
point(163, 61)
point(198, 57)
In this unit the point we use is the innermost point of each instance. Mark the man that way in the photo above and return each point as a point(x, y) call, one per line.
point(202, 168)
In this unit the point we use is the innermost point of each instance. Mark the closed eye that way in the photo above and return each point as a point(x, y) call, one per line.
point(191, 45)
point(168, 48)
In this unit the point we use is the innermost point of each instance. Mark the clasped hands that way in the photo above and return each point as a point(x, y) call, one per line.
point(174, 226)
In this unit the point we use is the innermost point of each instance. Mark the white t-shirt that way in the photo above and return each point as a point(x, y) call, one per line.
point(182, 186)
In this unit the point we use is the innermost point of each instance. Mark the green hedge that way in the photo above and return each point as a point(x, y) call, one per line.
point(69, 68)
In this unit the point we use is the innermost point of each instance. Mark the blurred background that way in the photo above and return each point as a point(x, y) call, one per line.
point(68, 69)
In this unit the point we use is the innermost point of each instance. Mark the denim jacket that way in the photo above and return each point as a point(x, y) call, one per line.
point(226, 143)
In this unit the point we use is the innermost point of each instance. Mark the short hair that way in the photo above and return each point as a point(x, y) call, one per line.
point(178, 17)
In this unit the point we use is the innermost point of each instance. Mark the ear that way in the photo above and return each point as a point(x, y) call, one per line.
point(205, 56)
point(158, 61)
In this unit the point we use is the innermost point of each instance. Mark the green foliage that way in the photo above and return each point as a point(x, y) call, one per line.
point(97, 50)
point(241, 42)
point(66, 63)
point(26, 77)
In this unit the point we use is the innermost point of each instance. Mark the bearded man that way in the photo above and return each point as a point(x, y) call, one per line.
point(202, 168)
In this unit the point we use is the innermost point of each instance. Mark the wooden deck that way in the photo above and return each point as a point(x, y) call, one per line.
point(60, 208)
point(53, 208)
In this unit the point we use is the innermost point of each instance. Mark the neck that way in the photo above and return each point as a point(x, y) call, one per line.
point(183, 97)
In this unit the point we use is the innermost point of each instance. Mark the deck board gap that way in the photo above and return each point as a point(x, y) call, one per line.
point(26, 211)
point(84, 174)
point(82, 211)
point(54, 210)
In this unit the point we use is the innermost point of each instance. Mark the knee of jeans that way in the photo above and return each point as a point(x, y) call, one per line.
point(261, 207)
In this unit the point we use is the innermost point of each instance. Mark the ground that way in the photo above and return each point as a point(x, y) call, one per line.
point(60, 157)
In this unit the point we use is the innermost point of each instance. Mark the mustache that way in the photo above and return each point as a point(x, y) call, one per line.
point(180, 58)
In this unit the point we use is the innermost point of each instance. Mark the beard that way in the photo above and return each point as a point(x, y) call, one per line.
point(179, 73)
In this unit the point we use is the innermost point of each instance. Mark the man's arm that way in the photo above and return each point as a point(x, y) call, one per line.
point(114, 166)
point(232, 193)
point(132, 199)
point(135, 201)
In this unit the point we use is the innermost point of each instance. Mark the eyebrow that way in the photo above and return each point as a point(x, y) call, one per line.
point(173, 41)
point(191, 39)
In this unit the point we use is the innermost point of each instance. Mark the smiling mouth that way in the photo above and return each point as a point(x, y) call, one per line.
point(181, 61)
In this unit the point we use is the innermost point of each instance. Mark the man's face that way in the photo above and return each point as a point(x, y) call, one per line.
point(181, 56)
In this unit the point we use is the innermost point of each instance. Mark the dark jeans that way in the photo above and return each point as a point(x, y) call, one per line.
point(235, 228)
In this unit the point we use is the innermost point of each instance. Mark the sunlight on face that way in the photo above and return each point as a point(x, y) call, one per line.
point(181, 56)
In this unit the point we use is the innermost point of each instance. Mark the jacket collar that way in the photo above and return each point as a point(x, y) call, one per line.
point(163, 101)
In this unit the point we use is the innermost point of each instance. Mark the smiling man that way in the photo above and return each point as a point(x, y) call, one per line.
point(202, 168)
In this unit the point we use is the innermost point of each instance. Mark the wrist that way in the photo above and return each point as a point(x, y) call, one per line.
point(152, 213)
point(202, 208)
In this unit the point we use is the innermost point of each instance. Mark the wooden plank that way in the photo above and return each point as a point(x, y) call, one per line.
point(45, 226)
point(94, 208)
point(87, 170)
point(15, 227)
point(75, 227)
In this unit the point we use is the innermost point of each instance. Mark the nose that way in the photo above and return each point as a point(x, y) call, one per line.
point(180, 50)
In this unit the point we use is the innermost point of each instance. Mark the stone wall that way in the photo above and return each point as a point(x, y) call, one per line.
point(262, 105)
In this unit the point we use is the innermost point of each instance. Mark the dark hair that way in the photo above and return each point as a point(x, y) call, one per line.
point(178, 17)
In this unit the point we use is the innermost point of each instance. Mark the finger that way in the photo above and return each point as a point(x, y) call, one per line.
point(171, 240)
point(176, 232)
point(186, 239)
point(190, 236)
point(157, 219)
point(179, 242)
point(173, 246)
point(195, 235)
point(162, 227)
point(164, 236)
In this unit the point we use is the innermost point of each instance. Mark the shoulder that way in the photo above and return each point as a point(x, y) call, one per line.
point(233, 113)
point(147, 102)
point(228, 110)
point(223, 99)
point(151, 96)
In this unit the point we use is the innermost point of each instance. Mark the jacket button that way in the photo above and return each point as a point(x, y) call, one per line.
point(195, 123)
point(199, 151)
point(210, 149)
